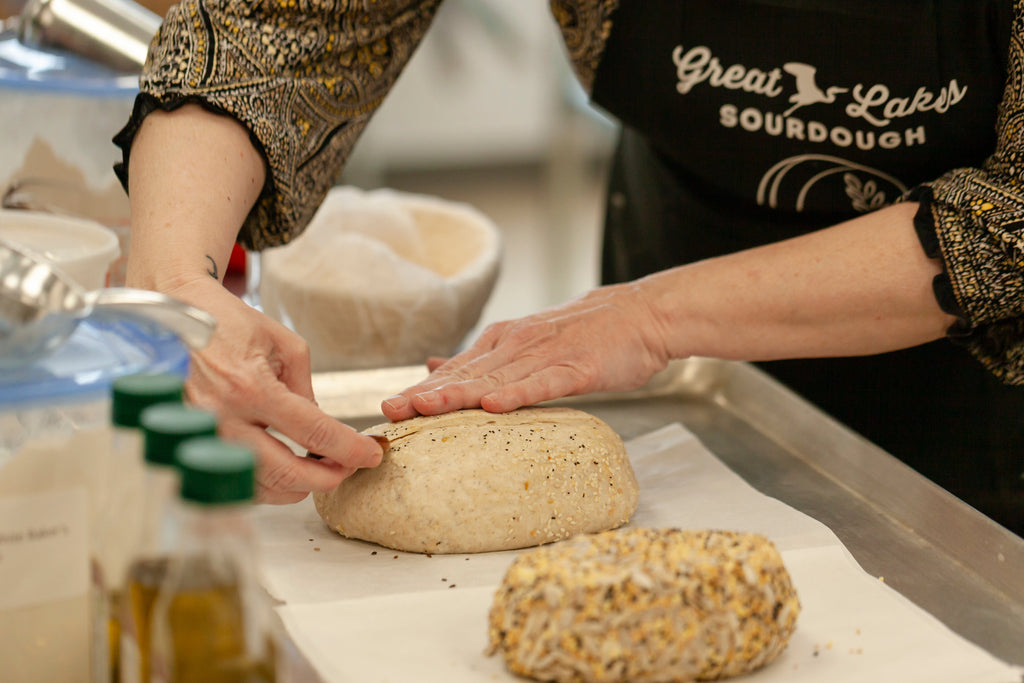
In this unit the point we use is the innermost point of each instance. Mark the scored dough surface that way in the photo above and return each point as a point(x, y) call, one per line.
point(473, 481)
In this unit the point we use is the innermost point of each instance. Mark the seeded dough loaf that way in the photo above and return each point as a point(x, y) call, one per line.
point(644, 605)
point(473, 481)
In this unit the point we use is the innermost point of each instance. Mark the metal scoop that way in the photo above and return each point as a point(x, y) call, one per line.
point(40, 308)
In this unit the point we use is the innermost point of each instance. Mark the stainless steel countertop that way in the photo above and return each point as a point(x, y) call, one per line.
point(937, 551)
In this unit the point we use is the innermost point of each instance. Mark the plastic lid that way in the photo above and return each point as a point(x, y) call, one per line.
point(132, 394)
point(37, 68)
point(169, 424)
point(216, 472)
point(84, 367)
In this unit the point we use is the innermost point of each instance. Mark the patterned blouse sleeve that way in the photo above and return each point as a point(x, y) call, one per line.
point(585, 26)
point(303, 77)
point(973, 220)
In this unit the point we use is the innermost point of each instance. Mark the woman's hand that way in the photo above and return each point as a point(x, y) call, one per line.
point(255, 374)
point(606, 340)
point(194, 177)
point(860, 287)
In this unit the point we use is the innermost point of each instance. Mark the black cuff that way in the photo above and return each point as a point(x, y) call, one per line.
point(942, 286)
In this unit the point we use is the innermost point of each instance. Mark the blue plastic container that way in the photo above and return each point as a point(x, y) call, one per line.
point(55, 476)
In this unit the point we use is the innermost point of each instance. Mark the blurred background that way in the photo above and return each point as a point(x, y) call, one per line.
point(488, 113)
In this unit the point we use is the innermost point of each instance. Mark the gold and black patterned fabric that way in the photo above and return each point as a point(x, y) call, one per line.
point(305, 76)
point(973, 219)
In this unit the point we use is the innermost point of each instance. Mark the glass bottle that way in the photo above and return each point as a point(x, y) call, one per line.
point(164, 427)
point(118, 508)
point(211, 622)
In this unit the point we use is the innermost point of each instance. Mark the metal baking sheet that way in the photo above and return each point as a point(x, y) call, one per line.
point(937, 551)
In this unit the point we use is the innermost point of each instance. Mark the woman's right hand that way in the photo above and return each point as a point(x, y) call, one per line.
point(194, 177)
point(255, 374)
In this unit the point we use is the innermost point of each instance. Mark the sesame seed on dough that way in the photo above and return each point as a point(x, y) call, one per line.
point(445, 485)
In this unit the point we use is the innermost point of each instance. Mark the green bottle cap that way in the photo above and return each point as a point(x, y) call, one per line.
point(131, 394)
point(214, 471)
point(166, 425)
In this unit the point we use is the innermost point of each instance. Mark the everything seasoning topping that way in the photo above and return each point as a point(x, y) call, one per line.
point(644, 605)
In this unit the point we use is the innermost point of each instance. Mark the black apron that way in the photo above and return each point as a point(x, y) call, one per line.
point(750, 121)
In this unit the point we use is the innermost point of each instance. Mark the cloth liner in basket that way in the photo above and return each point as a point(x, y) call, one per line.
point(383, 278)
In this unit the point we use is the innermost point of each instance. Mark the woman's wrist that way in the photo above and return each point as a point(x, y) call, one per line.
point(860, 287)
point(674, 327)
point(169, 280)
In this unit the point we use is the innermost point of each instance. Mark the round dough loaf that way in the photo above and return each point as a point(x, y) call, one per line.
point(473, 481)
point(644, 605)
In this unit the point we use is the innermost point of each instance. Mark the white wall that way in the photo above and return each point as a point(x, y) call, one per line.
point(484, 87)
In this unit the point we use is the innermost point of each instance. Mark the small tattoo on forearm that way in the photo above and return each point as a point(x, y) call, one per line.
point(212, 270)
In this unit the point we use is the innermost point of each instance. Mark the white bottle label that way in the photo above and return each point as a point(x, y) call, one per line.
point(44, 547)
point(131, 660)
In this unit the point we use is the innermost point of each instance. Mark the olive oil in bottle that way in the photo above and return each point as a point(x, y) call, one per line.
point(120, 510)
point(211, 621)
point(164, 427)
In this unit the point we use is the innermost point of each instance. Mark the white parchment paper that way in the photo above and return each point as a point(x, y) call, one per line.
point(363, 613)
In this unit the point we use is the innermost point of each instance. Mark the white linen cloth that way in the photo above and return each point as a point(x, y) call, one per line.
point(363, 613)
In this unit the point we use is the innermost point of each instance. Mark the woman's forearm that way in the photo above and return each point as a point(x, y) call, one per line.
point(861, 287)
point(193, 178)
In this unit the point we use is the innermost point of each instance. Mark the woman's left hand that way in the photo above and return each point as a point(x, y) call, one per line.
point(861, 287)
point(606, 340)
